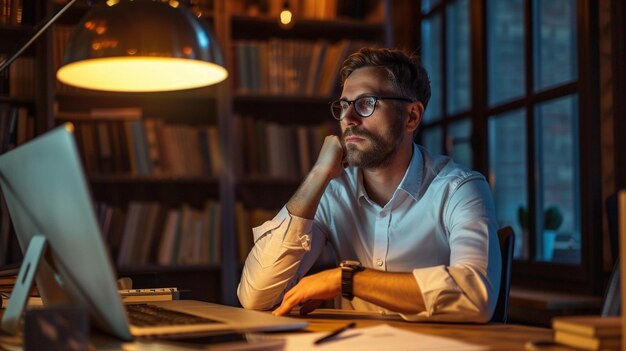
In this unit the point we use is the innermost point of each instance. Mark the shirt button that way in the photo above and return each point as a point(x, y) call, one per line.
point(383, 214)
point(379, 262)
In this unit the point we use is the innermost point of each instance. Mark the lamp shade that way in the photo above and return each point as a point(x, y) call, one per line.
point(142, 46)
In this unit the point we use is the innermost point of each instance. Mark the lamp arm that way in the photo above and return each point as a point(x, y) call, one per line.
point(48, 22)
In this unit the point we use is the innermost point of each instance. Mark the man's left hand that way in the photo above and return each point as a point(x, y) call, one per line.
point(321, 286)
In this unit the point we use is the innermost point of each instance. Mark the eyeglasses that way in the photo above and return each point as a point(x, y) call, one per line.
point(364, 106)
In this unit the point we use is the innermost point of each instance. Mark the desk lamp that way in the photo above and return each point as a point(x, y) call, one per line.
point(138, 46)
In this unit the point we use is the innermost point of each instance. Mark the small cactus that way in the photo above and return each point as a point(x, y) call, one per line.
point(552, 218)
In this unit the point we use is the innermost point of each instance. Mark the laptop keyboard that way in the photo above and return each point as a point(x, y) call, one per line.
point(145, 315)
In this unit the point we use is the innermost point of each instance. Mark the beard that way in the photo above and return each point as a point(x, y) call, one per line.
point(381, 150)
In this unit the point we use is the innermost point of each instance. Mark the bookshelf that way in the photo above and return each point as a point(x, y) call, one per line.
point(283, 81)
point(150, 156)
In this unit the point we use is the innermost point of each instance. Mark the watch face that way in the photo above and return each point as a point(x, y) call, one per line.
point(351, 264)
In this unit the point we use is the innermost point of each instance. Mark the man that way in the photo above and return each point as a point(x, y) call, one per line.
point(419, 231)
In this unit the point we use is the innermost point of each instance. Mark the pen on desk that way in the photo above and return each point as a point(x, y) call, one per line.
point(334, 333)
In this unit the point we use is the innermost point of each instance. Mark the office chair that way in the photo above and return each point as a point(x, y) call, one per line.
point(506, 237)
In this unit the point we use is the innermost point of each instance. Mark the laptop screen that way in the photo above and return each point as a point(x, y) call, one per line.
point(46, 192)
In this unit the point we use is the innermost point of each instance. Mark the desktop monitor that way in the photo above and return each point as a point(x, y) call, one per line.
point(50, 204)
point(48, 197)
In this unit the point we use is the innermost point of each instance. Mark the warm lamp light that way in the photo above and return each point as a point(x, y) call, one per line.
point(142, 46)
point(137, 46)
point(285, 18)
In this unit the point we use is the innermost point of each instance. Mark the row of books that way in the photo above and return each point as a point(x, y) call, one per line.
point(17, 126)
point(277, 150)
point(60, 37)
point(246, 219)
point(290, 67)
point(147, 147)
point(11, 11)
point(588, 332)
point(152, 233)
point(19, 79)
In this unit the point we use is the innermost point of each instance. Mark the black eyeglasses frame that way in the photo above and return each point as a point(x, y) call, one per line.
point(376, 98)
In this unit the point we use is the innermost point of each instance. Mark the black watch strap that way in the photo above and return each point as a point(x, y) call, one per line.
point(348, 270)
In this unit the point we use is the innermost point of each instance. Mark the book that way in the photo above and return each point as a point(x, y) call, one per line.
point(151, 294)
point(590, 326)
point(587, 342)
point(127, 295)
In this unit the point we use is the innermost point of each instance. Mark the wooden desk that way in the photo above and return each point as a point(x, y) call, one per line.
point(504, 337)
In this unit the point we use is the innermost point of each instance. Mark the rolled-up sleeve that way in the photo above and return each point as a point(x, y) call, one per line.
point(284, 250)
point(466, 290)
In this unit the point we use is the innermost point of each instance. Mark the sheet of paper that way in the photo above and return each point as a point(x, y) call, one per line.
point(382, 337)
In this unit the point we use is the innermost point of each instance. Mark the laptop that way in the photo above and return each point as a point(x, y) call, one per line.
point(48, 198)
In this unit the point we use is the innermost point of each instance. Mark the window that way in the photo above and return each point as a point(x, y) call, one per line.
point(515, 108)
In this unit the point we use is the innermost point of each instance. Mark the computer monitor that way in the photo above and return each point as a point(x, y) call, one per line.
point(50, 204)
point(48, 197)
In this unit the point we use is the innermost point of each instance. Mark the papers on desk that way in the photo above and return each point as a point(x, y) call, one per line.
point(381, 337)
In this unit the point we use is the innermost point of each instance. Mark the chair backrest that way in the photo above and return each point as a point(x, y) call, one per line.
point(506, 237)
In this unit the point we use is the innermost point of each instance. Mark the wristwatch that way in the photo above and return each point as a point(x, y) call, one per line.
point(348, 269)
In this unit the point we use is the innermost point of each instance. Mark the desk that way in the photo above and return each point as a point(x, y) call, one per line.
point(504, 337)
point(499, 337)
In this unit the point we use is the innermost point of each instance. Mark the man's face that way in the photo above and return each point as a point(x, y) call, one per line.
point(371, 142)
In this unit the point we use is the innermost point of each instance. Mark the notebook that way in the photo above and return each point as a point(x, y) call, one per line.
point(48, 197)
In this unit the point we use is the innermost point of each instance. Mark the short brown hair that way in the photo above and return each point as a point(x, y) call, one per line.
point(406, 71)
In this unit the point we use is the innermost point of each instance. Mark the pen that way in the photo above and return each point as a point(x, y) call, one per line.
point(334, 333)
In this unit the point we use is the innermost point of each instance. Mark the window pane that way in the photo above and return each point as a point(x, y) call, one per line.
point(508, 174)
point(431, 57)
point(505, 45)
point(557, 150)
point(459, 142)
point(428, 4)
point(432, 140)
point(554, 45)
point(458, 58)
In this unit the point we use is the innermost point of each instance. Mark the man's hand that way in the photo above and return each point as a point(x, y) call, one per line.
point(321, 286)
point(330, 159)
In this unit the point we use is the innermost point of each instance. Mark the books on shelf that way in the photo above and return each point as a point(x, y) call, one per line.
point(248, 218)
point(119, 141)
point(290, 67)
point(588, 332)
point(278, 150)
point(152, 233)
point(17, 126)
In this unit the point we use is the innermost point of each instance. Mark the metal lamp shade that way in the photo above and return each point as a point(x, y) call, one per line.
point(142, 46)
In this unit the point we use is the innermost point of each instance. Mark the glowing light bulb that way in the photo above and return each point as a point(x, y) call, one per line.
point(285, 18)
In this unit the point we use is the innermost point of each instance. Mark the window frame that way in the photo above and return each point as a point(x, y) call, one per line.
point(587, 276)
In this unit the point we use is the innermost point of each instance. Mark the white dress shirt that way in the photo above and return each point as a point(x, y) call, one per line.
point(439, 224)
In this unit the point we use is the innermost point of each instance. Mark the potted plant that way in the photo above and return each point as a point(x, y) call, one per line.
point(552, 220)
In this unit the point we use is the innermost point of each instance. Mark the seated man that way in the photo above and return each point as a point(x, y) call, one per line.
point(417, 232)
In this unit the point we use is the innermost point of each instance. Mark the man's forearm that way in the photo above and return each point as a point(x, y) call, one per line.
point(395, 291)
point(306, 199)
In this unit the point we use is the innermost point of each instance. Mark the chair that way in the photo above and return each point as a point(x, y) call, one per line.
point(506, 237)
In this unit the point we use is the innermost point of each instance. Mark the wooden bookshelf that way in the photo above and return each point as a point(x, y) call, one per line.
point(293, 105)
point(221, 107)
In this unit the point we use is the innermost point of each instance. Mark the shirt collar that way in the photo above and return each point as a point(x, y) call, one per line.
point(410, 183)
point(413, 177)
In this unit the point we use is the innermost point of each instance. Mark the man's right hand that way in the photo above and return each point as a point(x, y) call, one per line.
point(331, 157)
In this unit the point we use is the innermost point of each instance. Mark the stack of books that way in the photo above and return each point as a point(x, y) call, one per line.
point(588, 332)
